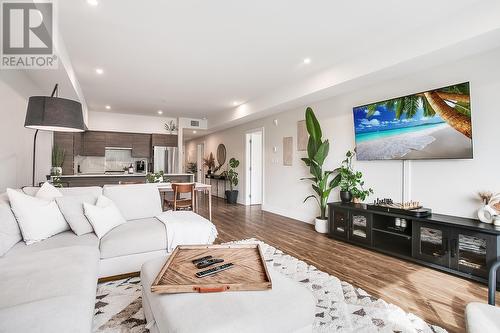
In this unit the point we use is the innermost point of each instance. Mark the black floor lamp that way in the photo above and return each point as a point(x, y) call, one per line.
point(53, 114)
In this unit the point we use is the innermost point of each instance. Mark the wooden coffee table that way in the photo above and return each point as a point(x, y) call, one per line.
point(248, 273)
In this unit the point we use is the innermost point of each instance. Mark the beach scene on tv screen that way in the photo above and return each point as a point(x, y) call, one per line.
point(435, 124)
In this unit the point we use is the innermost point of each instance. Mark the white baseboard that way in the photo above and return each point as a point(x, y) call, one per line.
point(286, 213)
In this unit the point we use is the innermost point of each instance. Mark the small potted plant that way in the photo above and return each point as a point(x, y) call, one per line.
point(157, 177)
point(58, 155)
point(351, 181)
point(232, 177)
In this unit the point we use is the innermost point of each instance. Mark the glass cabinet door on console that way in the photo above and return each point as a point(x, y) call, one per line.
point(360, 228)
point(472, 252)
point(339, 226)
point(431, 243)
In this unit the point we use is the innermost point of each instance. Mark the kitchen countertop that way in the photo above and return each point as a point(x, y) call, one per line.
point(105, 175)
point(120, 175)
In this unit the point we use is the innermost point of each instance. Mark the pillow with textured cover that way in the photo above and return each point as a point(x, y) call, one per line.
point(103, 216)
point(38, 219)
point(71, 207)
point(9, 229)
point(48, 192)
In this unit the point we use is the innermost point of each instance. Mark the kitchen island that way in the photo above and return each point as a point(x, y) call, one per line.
point(101, 179)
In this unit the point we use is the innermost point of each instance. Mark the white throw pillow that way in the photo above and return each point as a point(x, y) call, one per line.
point(103, 216)
point(38, 219)
point(48, 192)
point(9, 229)
point(71, 207)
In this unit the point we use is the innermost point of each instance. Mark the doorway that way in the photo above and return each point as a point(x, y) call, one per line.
point(254, 167)
point(200, 152)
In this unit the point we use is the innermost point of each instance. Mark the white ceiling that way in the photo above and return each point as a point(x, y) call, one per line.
point(194, 58)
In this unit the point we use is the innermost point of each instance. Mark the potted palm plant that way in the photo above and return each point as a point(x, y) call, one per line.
point(323, 182)
point(58, 155)
point(232, 177)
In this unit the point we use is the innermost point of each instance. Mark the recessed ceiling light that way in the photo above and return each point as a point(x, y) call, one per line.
point(235, 103)
point(108, 107)
point(160, 112)
point(99, 71)
point(93, 2)
point(194, 132)
point(307, 61)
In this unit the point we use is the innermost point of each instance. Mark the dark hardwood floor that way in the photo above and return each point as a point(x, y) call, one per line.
point(437, 297)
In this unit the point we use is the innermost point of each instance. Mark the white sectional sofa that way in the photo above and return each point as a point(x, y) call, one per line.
point(50, 286)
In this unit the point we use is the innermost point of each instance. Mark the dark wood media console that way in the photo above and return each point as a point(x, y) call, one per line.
point(460, 246)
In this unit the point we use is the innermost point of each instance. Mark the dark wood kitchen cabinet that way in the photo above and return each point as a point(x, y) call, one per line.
point(78, 144)
point(141, 145)
point(118, 139)
point(94, 143)
point(165, 140)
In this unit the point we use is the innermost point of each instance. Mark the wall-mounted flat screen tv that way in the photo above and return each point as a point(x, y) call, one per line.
point(434, 124)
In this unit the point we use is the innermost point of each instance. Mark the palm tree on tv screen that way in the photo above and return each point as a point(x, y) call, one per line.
point(452, 104)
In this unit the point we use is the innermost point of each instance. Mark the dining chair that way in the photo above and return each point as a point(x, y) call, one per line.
point(178, 203)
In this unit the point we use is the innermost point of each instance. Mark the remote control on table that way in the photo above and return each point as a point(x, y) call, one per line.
point(214, 270)
point(208, 262)
point(201, 259)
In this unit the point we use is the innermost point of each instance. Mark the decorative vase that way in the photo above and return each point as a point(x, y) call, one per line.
point(56, 171)
point(356, 200)
point(345, 196)
point(321, 225)
point(486, 214)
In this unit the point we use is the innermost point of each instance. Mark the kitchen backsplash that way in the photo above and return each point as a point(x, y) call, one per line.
point(114, 160)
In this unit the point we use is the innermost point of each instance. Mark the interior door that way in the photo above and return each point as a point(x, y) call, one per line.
point(431, 243)
point(254, 168)
point(199, 163)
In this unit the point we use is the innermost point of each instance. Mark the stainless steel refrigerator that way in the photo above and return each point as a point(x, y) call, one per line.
point(165, 159)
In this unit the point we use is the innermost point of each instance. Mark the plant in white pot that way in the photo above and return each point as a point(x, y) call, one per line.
point(323, 182)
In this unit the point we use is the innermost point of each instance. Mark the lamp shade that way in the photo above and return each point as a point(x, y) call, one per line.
point(54, 114)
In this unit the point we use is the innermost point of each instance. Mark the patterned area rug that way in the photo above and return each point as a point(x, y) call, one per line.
point(340, 306)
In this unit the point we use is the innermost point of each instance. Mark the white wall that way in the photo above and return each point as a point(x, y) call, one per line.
point(120, 122)
point(446, 186)
point(16, 142)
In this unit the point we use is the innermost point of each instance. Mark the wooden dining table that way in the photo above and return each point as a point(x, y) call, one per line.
point(200, 187)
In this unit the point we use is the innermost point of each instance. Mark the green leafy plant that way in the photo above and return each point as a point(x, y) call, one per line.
point(323, 182)
point(58, 155)
point(231, 174)
point(352, 180)
point(192, 167)
point(157, 177)
point(56, 181)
